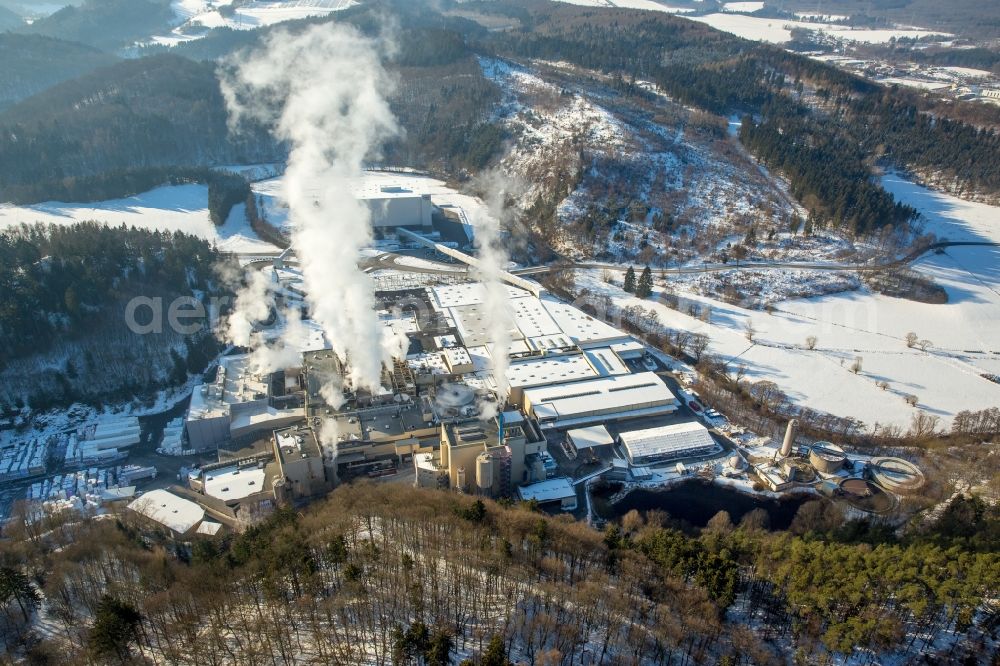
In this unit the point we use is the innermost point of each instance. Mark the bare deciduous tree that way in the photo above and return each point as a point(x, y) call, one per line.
point(811, 342)
point(699, 343)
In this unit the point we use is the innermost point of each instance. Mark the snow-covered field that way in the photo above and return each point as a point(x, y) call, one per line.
point(631, 4)
point(169, 208)
point(194, 16)
point(945, 378)
point(747, 7)
point(914, 83)
point(778, 31)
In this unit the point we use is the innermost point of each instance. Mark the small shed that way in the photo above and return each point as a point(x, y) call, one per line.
point(553, 490)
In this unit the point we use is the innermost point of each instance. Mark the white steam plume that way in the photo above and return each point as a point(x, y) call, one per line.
point(323, 91)
point(283, 352)
point(493, 260)
point(253, 303)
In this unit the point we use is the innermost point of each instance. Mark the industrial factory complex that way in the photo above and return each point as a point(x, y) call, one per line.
point(584, 400)
point(578, 399)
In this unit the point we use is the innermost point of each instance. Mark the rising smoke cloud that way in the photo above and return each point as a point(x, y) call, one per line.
point(323, 91)
point(493, 258)
point(253, 303)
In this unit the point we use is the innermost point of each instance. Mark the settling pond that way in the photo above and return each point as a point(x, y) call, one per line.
point(696, 502)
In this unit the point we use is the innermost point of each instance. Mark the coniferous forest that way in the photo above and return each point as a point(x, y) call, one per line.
point(68, 286)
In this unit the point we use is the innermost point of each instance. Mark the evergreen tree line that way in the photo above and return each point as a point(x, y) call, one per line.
point(394, 575)
point(58, 282)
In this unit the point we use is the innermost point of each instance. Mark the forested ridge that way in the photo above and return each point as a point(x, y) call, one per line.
point(857, 122)
point(166, 110)
point(106, 24)
point(70, 284)
point(32, 63)
point(393, 575)
point(152, 112)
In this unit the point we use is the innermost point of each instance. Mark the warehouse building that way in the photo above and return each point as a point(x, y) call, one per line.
point(393, 206)
point(671, 442)
point(599, 400)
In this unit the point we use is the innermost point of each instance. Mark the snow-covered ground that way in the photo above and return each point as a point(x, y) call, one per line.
point(778, 31)
point(747, 7)
point(563, 129)
point(631, 4)
point(168, 208)
point(465, 205)
point(946, 378)
point(195, 16)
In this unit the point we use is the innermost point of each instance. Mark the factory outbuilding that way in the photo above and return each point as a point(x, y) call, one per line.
point(672, 442)
point(589, 440)
point(178, 515)
point(551, 491)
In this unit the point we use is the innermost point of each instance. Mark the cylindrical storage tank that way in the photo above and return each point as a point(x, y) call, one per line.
point(460, 478)
point(790, 433)
point(896, 475)
point(735, 462)
point(484, 472)
point(827, 458)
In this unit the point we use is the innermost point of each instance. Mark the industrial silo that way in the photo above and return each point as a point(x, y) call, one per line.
point(827, 458)
point(484, 473)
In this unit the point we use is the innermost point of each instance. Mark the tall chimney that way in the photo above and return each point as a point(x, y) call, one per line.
point(790, 434)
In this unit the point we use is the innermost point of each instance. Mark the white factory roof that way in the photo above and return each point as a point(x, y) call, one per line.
point(549, 370)
point(605, 362)
point(234, 384)
point(583, 329)
point(474, 325)
point(365, 189)
point(442, 341)
point(425, 461)
point(666, 440)
point(401, 322)
point(432, 363)
point(468, 293)
point(259, 415)
point(612, 396)
point(171, 511)
point(628, 348)
point(551, 490)
point(557, 341)
point(532, 319)
point(457, 356)
point(232, 483)
point(586, 438)
point(209, 527)
point(482, 360)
